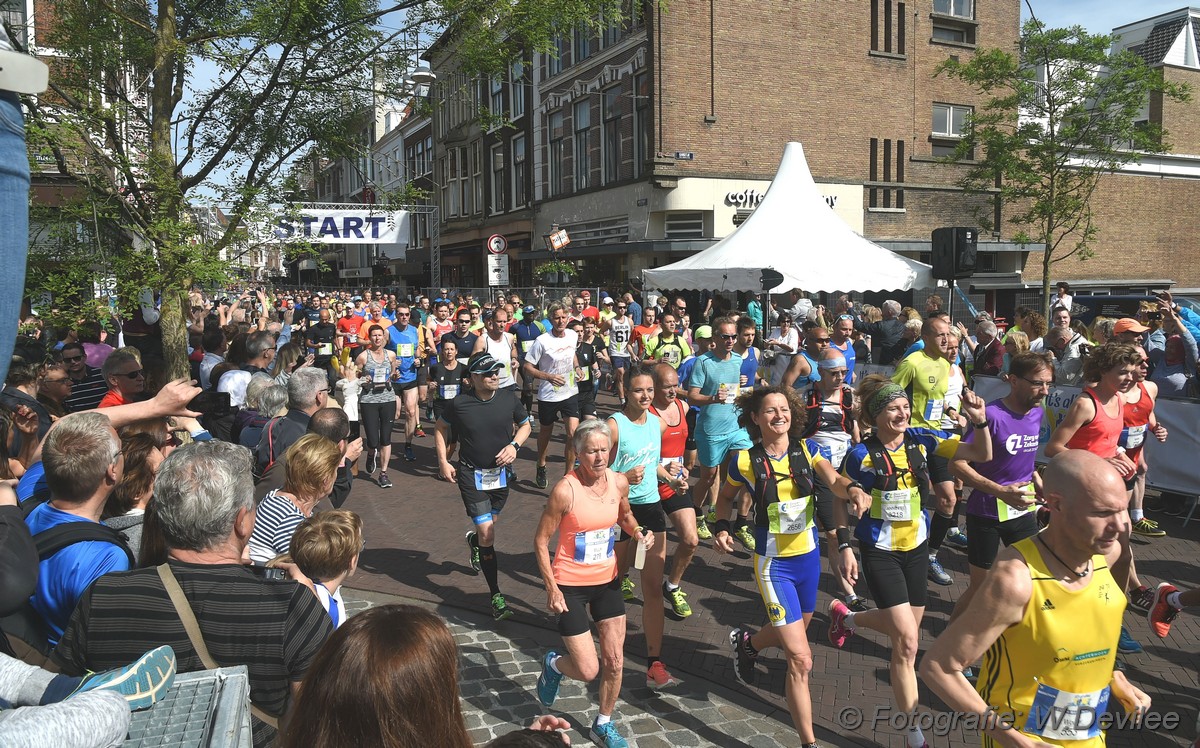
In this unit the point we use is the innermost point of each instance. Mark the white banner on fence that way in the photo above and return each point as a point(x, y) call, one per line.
point(343, 227)
point(1170, 462)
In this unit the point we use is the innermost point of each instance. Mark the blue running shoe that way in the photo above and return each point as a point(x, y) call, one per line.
point(547, 685)
point(1127, 645)
point(606, 736)
point(141, 683)
point(956, 538)
point(937, 574)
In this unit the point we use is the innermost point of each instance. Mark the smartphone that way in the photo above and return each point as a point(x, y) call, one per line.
point(1153, 315)
point(277, 575)
point(211, 404)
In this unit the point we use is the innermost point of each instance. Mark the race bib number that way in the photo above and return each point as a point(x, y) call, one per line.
point(525, 346)
point(594, 547)
point(1133, 436)
point(585, 373)
point(491, 479)
point(671, 356)
point(379, 375)
point(1062, 715)
point(896, 506)
point(352, 338)
point(837, 453)
point(1005, 512)
point(731, 393)
point(404, 350)
point(933, 410)
point(568, 380)
point(449, 391)
point(618, 346)
point(789, 517)
point(325, 349)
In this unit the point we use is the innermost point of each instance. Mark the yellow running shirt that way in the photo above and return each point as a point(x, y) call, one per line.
point(925, 380)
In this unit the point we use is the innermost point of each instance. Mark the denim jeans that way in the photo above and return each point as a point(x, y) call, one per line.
point(14, 222)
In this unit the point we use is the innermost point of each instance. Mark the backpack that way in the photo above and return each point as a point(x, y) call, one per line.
point(813, 405)
point(884, 467)
point(765, 489)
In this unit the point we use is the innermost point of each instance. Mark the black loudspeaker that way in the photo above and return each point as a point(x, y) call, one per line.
point(954, 251)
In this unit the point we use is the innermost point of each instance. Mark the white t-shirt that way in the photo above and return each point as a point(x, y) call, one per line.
point(501, 350)
point(782, 358)
point(555, 355)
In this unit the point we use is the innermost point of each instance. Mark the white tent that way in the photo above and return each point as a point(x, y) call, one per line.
point(794, 232)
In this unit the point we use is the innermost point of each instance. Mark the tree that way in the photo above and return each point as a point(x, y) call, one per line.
point(1060, 113)
point(154, 104)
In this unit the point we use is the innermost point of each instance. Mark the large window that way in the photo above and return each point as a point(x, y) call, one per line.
point(582, 151)
point(641, 123)
point(450, 193)
point(961, 8)
point(517, 90)
point(583, 44)
point(497, 96)
point(949, 120)
point(497, 178)
point(614, 100)
point(557, 139)
point(477, 175)
point(557, 58)
point(520, 173)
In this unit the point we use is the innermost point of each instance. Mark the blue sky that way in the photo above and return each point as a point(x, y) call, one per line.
point(1098, 16)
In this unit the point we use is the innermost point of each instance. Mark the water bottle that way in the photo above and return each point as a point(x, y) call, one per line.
point(639, 558)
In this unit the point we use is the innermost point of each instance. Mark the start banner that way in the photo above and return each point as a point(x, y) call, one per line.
point(343, 227)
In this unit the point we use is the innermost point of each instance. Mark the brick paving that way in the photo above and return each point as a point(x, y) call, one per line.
point(415, 550)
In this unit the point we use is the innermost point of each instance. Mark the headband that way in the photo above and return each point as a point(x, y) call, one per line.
point(838, 362)
point(885, 395)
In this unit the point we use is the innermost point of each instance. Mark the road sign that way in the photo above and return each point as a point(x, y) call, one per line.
point(497, 270)
point(497, 244)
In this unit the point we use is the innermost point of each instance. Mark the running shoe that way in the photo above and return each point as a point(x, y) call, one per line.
point(606, 736)
point(702, 530)
point(409, 454)
point(500, 609)
point(743, 660)
point(384, 480)
point(419, 433)
point(857, 605)
point(678, 599)
point(473, 544)
point(658, 678)
point(547, 684)
point(1147, 529)
point(745, 536)
point(371, 462)
point(1162, 614)
point(1127, 645)
point(141, 683)
point(937, 574)
point(956, 538)
point(541, 476)
point(1142, 599)
point(429, 413)
point(627, 586)
point(838, 631)
point(512, 474)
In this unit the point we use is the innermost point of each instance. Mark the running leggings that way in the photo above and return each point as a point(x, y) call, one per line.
point(377, 422)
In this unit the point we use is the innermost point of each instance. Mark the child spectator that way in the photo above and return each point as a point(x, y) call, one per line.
point(325, 548)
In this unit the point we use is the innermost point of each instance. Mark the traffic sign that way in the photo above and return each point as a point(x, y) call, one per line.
point(497, 244)
point(497, 270)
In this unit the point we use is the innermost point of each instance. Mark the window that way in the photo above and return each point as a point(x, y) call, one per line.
point(477, 174)
point(684, 225)
point(887, 27)
point(517, 89)
point(497, 178)
point(427, 164)
point(949, 121)
point(641, 123)
point(583, 43)
point(955, 34)
point(613, 102)
point(496, 86)
point(612, 32)
point(556, 58)
point(960, 8)
point(635, 11)
point(520, 173)
point(557, 137)
point(581, 151)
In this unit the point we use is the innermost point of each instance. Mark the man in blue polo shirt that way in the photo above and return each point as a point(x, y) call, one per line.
point(405, 342)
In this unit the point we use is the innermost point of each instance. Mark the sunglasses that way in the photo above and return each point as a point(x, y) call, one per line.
point(727, 337)
point(134, 374)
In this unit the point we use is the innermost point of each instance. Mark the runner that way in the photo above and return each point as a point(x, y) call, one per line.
point(925, 375)
point(673, 412)
point(347, 334)
point(501, 345)
point(751, 356)
point(840, 339)
point(462, 335)
point(1003, 490)
point(377, 402)
point(779, 472)
point(320, 340)
point(829, 414)
point(713, 387)
point(643, 332)
point(405, 341)
point(447, 380)
point(492, 425)
point(620, 336)
point(587, 354)
point(1043, 671)
point(668, 346)
point(802, 372)
point(582, 508)
point(1138, 418)
point(551, 359)
point(526, 330)
point(893, 466)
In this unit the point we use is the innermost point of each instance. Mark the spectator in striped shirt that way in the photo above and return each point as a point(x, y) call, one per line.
point(310, 470)
point(87, 383)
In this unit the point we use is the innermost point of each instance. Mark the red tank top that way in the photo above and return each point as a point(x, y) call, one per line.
point(1100, 435)
point(674, 442)
point(584, 556)
point(1136, 418)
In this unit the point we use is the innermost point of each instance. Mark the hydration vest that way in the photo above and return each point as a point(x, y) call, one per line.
point(815, 404)
point(766, 492)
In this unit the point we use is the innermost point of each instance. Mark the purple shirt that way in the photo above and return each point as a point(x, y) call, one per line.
point(1014, 447)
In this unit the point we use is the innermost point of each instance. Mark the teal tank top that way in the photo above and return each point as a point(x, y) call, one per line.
point(639, 445)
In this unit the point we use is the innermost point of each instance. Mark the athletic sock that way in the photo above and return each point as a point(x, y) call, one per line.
point(487, 564)
point(1175, 600)
point(851, 598)
point(602, 719)
point(671, 587)
point(554, 664)
point(848, 621)
point(1136, 514)
point(742, 521)
point(937, 531)
point(916, 738)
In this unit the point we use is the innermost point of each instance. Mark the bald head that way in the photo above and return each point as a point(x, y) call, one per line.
point(1076, 474)
point(1087, 498)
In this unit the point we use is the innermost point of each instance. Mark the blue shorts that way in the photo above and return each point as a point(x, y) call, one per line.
point(620, 362)
point(714, 450)
point(788, 585)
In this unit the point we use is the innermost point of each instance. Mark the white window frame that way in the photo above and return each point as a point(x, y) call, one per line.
point(580, 136)
point(944, 115)
point(497, 172)
point(516, 93)
point(520, 172)
point(956, 8)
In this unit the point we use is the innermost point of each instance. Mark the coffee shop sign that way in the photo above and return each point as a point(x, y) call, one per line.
point(751, 198)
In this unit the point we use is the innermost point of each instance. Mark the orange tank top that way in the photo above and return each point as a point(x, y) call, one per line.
point(674, 443)
point(1135, 419)
point(1100, 435)
point(586, 535)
